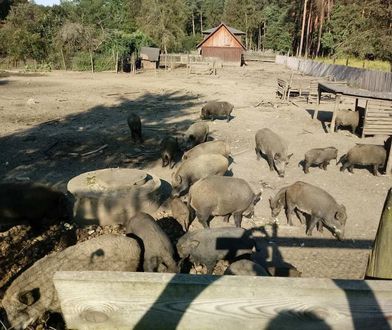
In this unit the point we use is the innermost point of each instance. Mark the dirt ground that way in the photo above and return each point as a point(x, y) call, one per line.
point(46, 118)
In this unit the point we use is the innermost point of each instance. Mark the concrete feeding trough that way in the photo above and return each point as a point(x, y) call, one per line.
point(111, 196)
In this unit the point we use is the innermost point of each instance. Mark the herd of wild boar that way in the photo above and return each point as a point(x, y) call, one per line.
point(199, 168)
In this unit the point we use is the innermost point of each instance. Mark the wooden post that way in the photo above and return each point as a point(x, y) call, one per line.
point(335, 110)
point(315, 114)
point(389, 162)
point(380, 260)
point(125, 300)
point(364, 119)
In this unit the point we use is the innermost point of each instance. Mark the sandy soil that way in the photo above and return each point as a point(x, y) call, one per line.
point(46, 117)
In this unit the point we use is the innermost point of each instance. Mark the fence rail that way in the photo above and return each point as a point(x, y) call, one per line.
point(377, 81)
point(117, 300)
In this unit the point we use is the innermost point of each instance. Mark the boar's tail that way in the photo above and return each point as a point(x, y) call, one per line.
point(341, 160)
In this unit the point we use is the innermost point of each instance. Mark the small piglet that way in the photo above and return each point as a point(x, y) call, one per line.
point(221, 195)
point(158, 250)
point(196, 133)
point(169, 151)
point(312, 200)
point(196, 168)
point(180, 212)
point(247, 268)
point(215, 109)
point(319, 156)
point(135, 125)
point(207, 246)
point(274, 148)
point(210, 147)
point(347, 118)
point(364, 154)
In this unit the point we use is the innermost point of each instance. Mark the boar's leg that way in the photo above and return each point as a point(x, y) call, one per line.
point(312, 223)
point(203, 219)
point(306, 167)
point(345, 166)
point(258, 153)
point(325, 164)
point(237, 219)
point(172, 162)
point(375, 167)
point(226, 218)
point(270, 162)
point(354, 128)
point(289, 212)
point(210, 267)
point(320, 226)
point(351, 168)
point(300, 216)
point(228, 117)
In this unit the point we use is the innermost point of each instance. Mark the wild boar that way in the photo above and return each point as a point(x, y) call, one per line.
point(33, 293)
point(364, 154)
point(157, 249)
point(180, 212)
point(207, 246)
point(215, 109)
point(195, 169)
point(319, 156)
point(274, 148)
point(210, 147)
point(135, 125)
point(347, 118)
point(196, 133)
point(312, 200)
point(33, 204)
point(169, 151)
point(247, 268)
point(219, 195)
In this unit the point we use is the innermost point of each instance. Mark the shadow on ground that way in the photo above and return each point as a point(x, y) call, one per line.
point(57, 150)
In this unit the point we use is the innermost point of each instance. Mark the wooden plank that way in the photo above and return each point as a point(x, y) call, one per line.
point(380, 260)
point(120, 300)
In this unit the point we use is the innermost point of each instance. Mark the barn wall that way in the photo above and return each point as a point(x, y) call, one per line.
point(226, 54)
point(222, 38)
point(149, 65)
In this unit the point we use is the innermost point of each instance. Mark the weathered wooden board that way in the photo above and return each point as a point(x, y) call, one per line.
point(119, 300)
point(380, 260)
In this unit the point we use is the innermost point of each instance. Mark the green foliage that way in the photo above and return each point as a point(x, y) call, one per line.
point(67, 35)
point(279, 30)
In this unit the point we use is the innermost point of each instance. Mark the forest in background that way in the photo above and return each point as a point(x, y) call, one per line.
point(80, 33)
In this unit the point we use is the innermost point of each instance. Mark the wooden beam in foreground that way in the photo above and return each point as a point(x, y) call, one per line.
point(120, 300)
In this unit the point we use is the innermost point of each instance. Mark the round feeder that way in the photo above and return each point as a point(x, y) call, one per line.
point(111, 196)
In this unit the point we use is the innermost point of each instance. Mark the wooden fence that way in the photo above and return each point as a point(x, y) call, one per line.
point(377, 81)
point(120, 300)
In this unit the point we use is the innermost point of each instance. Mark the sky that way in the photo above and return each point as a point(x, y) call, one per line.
point(47, 2)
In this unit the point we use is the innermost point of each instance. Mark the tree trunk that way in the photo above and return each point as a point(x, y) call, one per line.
point(201, 21)
point(303, 28)
point(307, 46)
point(92, 61)
point(259, 39)
point(320, 31)
point(347, 61)
point(193, 23)
point(264, 34)
point(117, 62)
point(390, 64)
point(63, 58)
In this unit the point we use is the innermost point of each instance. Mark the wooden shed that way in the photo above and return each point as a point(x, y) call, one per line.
point(150, 57)
point(223, 42)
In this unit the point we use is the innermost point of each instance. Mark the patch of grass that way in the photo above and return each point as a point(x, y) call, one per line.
point(357, 63)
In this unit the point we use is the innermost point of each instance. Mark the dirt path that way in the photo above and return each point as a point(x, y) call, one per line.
point(46, 118)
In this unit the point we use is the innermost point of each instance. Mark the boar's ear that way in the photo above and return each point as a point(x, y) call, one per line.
point(29, 297)
point(341, 213)
point(194, 244)
point(277, 156)
point(178, 178)
point(289, 156)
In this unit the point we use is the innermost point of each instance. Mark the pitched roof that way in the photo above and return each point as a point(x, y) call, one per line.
point(150, 53)
point(232, 30)
point(216, 29)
